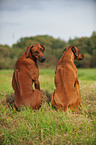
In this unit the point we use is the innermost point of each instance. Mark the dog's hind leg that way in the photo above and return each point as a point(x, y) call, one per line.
point(36, 99)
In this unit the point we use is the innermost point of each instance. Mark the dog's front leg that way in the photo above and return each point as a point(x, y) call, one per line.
point(78, 91)
point(37, 84)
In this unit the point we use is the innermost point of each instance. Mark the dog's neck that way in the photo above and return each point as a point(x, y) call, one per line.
point(34, 60)
point(68, 56)
point(30, 60)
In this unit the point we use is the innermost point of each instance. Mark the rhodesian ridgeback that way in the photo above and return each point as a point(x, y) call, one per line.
point(25, 75)
point(67, 92)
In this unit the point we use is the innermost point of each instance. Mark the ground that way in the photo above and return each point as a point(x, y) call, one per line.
point(48, 126)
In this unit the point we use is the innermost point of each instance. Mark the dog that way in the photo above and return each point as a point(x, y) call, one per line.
point(26, 75)
point(67, 92)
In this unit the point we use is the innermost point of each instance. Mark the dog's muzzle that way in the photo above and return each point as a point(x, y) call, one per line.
point(42, 59)
point(81, 57)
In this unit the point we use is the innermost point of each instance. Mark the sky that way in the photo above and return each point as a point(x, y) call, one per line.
point(62, 19)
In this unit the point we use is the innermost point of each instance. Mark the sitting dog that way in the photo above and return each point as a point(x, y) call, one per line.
point(67, 92)
point(26, 74)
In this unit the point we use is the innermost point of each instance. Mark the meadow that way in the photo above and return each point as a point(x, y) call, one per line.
point(48, 126)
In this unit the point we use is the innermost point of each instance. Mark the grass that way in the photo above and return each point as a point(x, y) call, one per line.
point(47, 126)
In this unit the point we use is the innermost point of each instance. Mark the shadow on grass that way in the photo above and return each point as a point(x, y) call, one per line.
point(46, 97)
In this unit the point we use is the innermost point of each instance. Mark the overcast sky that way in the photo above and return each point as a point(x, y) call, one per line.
point(59, 18)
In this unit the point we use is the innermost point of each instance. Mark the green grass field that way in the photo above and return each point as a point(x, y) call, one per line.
point(48, 126)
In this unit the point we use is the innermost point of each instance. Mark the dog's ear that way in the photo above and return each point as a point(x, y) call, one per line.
point(64, 50)
point(74, 51)
point(27, 52)
point(42, 46)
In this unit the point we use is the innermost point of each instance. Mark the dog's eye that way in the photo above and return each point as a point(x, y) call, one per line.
point(36, 52)
point(41, 50)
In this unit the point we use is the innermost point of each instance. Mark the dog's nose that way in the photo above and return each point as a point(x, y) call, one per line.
point(43, 59)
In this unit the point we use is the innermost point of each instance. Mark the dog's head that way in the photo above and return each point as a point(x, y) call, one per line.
point(77, 54)
point(36, 52)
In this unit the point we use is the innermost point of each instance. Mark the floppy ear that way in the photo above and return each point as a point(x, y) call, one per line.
point(64, 50)
point(42, 46)
point(74, 51)
point(27, 52)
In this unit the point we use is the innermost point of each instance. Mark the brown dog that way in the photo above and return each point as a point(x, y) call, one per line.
point(25, 75)
point(67, 92)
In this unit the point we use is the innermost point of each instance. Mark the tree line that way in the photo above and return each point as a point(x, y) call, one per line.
point(54, 50)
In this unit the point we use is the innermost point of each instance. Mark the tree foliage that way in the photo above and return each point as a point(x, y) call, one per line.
point(54, 49)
